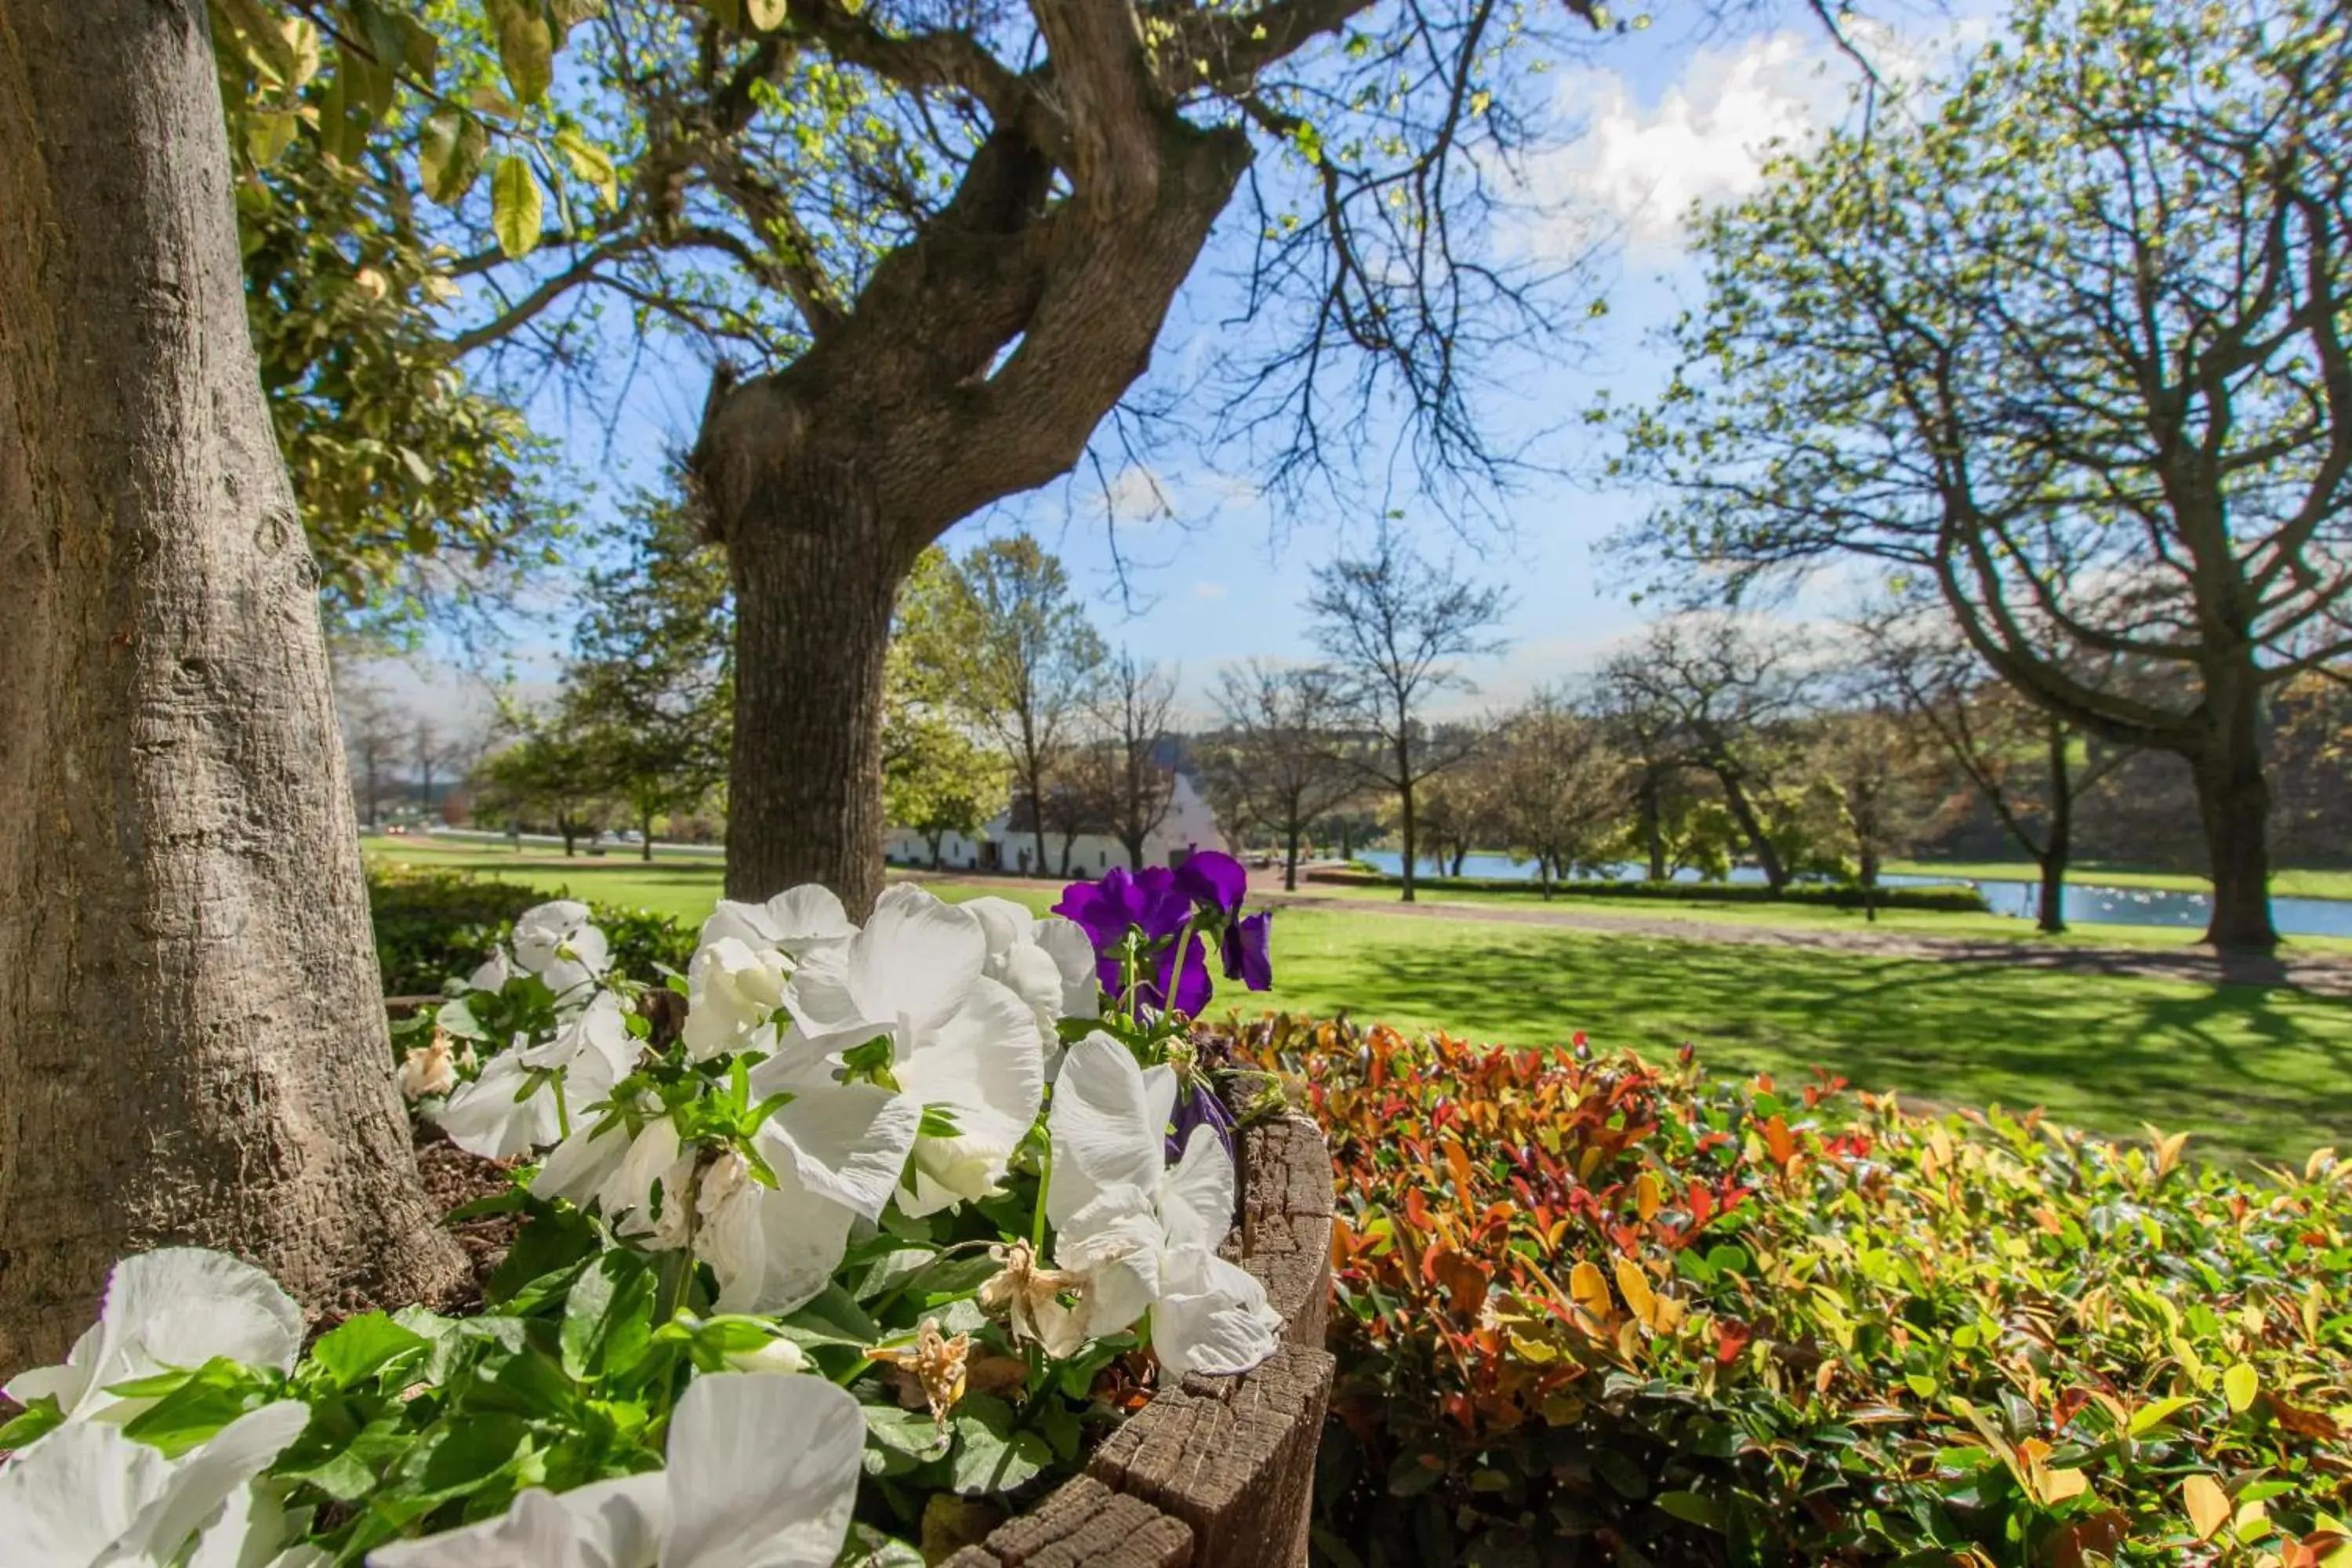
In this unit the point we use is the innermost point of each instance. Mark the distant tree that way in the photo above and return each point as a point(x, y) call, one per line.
point(1562, 786)
point(1350, 824)
point(372, 736)
point(1081, 796)
point(1644, 727)
point(649, 693)
point(1726, 694)
point(1394, 627)
point(937, 779)
point(1278, 762)
point(546, 776)
point(1460, 808)
point(2027, 763)
point(1138, 699)
point(1879, 782)
point(428, 753)
point(2071, 348)
point(1035, 663)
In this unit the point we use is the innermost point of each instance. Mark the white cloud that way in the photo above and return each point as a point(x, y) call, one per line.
point(1641, 164)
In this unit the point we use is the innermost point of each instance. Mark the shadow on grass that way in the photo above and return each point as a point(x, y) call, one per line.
point(2256, 1072)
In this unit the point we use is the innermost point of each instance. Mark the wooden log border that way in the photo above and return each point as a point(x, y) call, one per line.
point(1215, 1472)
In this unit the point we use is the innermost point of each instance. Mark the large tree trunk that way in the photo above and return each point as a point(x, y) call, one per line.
point(646, 836)
point(192, 1035)
point(1290, 859)
point(815, 575)
point(2058, 846)
point(1654, 836)
point(2233, 803)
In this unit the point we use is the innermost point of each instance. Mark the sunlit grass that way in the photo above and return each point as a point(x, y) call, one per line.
point(2251, 1071)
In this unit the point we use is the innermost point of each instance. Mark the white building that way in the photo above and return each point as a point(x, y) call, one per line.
point(1007, 845)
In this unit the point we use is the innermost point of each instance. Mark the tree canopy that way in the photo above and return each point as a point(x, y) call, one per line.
point(2067, 343)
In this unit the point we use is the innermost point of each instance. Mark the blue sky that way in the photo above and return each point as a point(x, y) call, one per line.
point(1669, 117)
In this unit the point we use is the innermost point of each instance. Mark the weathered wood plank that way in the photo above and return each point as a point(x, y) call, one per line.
point(1232, 1457)
point(1284, 1234)
point(1084, 1525)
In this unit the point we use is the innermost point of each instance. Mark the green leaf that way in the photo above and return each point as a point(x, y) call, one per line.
point(834, 1318)
point(449, 158)
point(991, 1455)
point(36, 1419)
point(362, 1346)
point(608, 1317)
point(526, 49)
point(217, 1393)
point(2239, 1385)
point(268, 134)
point(1691, 1509)
point(516, 210)
point(2154, 1414)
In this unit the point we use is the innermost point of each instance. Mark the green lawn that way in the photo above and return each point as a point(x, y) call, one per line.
point(2284, 884)
point(1812, 917)
point(2267, 1073)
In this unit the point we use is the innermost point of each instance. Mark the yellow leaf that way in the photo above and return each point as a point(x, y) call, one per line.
point(2208, 1505)
point(1589, 1289)
point(2057, 1486)
point(515, 205)
point(1647, 1198)
point(766, 15)
point(1635, 1286)
point(2239, 1385)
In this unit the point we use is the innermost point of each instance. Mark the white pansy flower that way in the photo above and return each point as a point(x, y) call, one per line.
point(504, 1112)
point(1046, 961)
point(647, 1197)
point(555, 942)
point(763, 1474)
point(837, 1151)
point(733, 990)
point(1141, 1233)
point(958, 1040)
point(177, 1307)
point(493, 973)
point(794, 921)
point(86, 1496)
point(510, 1110)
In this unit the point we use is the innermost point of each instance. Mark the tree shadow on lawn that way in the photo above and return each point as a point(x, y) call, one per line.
point(2261, 1072)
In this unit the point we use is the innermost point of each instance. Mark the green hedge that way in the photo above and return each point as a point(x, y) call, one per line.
point(1592, 1311)
point(430, 925)
point(1954, 900)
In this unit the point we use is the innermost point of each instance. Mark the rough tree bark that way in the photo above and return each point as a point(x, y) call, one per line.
point(2233, 804)
point(2058, 846)
point(192, 1037)
point(975, 364)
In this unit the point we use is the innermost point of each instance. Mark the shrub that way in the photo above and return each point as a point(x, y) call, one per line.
point(1592, 1311)
point(432, 925)
point(1953, 901)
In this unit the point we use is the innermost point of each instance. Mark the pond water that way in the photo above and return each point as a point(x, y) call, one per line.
point(2086, 903)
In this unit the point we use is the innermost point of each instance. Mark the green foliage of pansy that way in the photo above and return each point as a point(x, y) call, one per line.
point(1590, 1310)
point(432, 925)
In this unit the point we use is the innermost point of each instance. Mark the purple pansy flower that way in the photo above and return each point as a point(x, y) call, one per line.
point(1198, 1105)
point(1185, 990)
point(1248, 951)
point(1214, 881)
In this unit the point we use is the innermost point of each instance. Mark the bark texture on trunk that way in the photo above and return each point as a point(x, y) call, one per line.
point(192, 1037)
point(2233, 804)
point(1751, 828)
point(815, 573)
point(2058, 844)
point(975, 364)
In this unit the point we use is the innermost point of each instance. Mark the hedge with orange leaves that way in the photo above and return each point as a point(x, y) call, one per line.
point(1592, 1311)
